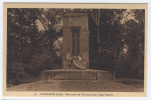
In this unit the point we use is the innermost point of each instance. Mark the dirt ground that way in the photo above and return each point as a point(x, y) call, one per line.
point(87, 86)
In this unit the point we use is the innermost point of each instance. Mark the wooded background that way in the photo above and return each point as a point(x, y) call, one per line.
point(35, 37)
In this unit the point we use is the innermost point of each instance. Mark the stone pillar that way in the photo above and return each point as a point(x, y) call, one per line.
point(75, 21)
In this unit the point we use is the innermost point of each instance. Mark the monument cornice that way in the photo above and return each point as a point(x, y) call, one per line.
point(75, 14)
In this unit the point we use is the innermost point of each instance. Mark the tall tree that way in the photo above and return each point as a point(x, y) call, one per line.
point(21, 29)
point(96, 17)
point(51, 19)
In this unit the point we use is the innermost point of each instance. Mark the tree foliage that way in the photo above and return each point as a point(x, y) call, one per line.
point(122, 42)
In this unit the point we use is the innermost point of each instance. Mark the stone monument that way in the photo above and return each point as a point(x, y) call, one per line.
point(75, 41)
point(75, 53)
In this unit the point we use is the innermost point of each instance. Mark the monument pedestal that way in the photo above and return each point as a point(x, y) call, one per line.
point(62, 74)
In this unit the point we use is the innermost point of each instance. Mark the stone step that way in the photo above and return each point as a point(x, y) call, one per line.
point(63, 74)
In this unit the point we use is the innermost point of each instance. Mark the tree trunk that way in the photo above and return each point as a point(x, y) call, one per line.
point(51, 43)
point(116, 51)
point(114, 74)
point(98, 30)
point(96, 18)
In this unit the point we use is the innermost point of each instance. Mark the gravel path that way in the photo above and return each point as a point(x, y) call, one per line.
point(81, 86)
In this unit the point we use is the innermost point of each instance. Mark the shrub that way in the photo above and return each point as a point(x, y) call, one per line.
point(15, 73)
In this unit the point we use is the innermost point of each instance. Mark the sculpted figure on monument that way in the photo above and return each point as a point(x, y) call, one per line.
point(76, 60)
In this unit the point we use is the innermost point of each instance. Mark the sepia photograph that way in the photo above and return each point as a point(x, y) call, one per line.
point(75, 51)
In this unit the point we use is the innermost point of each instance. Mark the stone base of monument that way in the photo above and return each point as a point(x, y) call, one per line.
point(62, 74)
